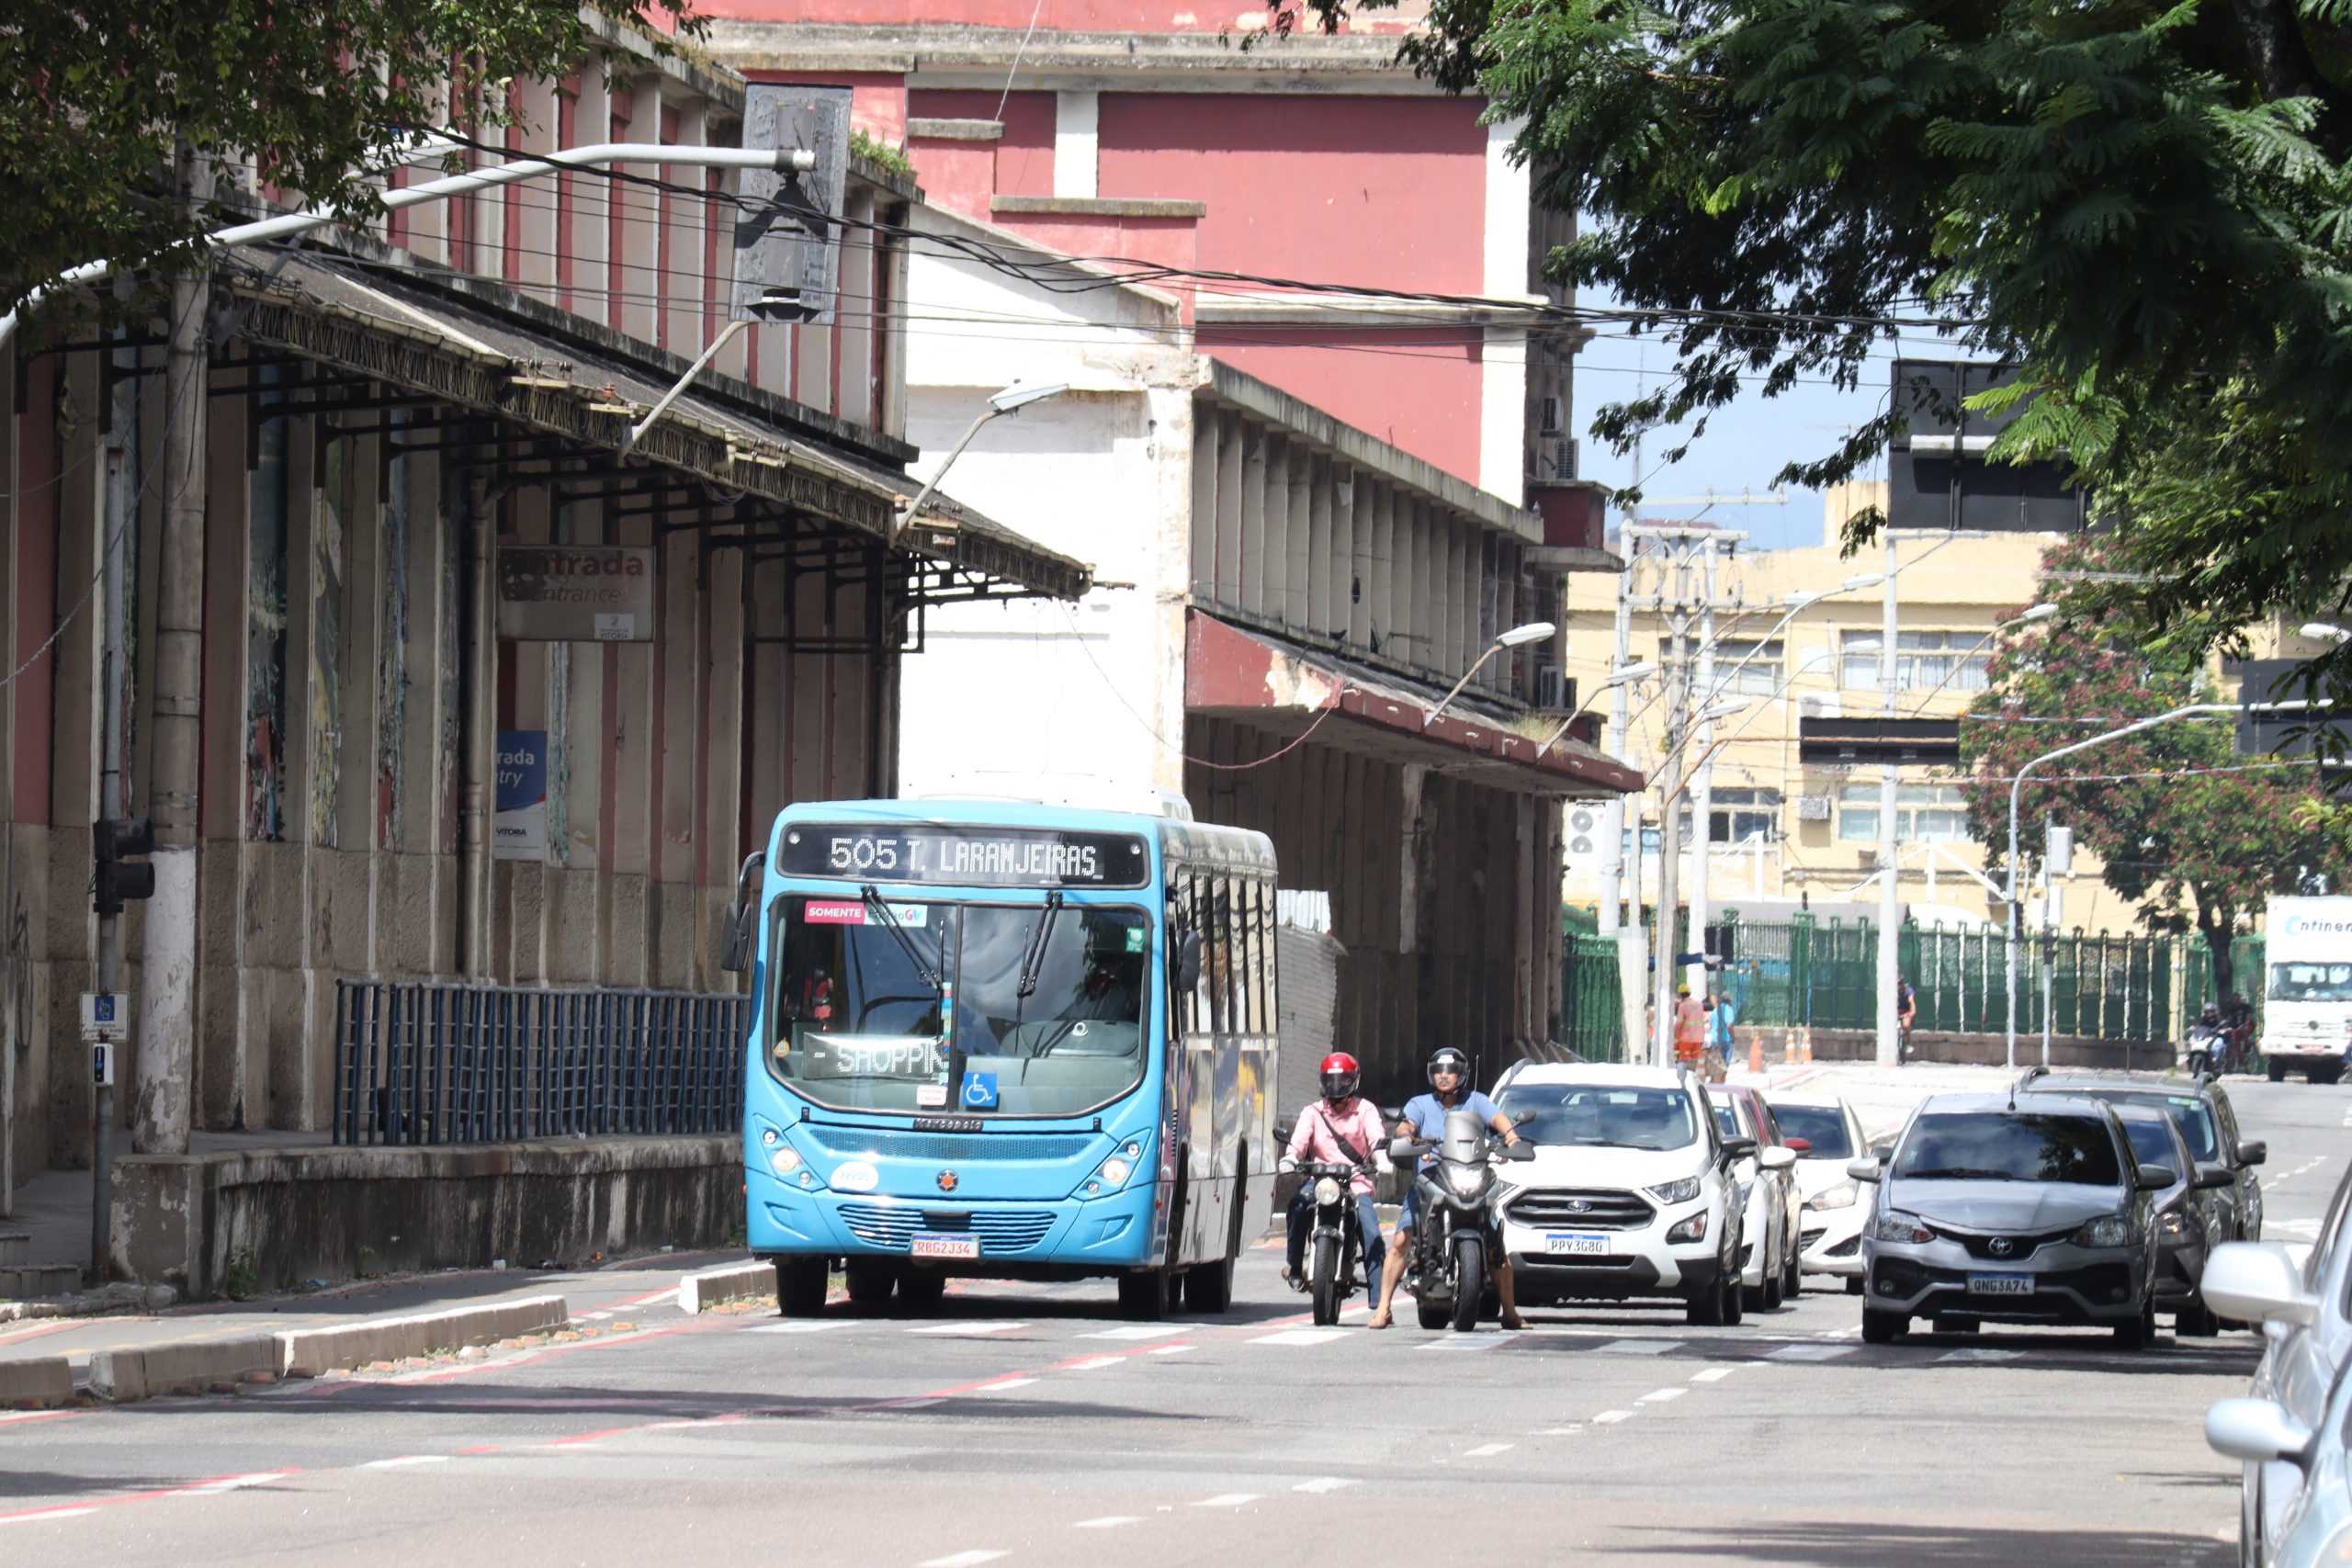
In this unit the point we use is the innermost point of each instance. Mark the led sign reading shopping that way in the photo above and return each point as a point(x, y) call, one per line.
point(972, 857)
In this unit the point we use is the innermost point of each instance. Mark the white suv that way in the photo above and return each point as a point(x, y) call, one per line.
point(1630, 1191)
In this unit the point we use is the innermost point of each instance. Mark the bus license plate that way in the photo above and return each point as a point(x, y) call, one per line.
point(2000, 1284)
point(1576, 1244)
point(931, 1243)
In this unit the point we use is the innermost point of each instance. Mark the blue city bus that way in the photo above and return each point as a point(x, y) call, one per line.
point(1004, 1040)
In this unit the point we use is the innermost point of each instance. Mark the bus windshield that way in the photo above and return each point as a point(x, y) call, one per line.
point(2311, 982)
point(977, 1010)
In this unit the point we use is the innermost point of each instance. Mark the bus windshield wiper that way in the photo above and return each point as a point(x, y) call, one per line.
point(881, 911)
point(1034, 959)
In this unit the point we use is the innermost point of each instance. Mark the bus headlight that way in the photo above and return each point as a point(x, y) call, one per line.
point(785, 1159)
point(1114, 1171)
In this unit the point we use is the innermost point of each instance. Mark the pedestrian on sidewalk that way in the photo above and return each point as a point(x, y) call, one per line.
point(1907, 1007)
point(1721, 1016)
point(1690, 1028)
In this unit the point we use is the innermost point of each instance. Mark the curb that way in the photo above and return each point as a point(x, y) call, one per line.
point(41, 1383)
point(307, 1352)
point(202, 1367)
point(700, 1292)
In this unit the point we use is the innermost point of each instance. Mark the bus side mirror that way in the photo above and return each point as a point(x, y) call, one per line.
point(1188, 961)
point(735, 951)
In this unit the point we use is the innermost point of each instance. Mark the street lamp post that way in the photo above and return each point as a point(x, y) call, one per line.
point(1012, 400)
point(1518, 636)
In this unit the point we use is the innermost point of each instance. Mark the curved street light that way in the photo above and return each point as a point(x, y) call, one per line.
point(1012, 400)
point(1518, 636)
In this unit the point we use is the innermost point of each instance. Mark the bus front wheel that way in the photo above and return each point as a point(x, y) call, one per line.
point(800, 1284)
point(1146, 1296)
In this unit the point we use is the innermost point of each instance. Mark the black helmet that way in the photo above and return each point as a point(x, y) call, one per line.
point(1449, 1060)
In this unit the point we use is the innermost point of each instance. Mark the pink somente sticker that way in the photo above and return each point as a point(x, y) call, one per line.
point(820, 913)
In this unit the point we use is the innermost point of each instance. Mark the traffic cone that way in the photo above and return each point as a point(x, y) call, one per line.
point(1788, 1047)
point(1804, 1046)
point(1756, 1052)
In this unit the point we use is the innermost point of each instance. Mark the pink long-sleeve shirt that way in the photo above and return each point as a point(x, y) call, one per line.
point(1316, 1138)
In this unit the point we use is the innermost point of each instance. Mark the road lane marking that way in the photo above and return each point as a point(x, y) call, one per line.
point(1138, 1331)
point(1488, 1451)
point(1481, 1339)
point(9, 1415)
point(41, 1515)
point(953, 1329)
point(1003, 1383)
point(231, 1484)
point(1227, 1500)
point(1167, 1350)
point(1660, 1395)
point(1712, 1374)
point(1977, 1355)
point(1569, 1430)
point(799, 1326)
point(1826, 1351)
point(404, 1461)
point(1301, 1336)
point(964, 1559)
point(1322, 1484)
point(1108, 1521)
point(1638, 1346)
point(1090, 1363)
point(1611, 1417)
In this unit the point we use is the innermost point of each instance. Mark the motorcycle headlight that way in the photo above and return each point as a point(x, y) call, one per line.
point(1841, 1196)
point(1467, 1180)
point(1896, 1225)
point(2107, 1230)
point(1327, 1190)
point(1680, 1191)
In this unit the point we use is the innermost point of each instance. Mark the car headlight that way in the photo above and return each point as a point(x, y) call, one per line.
point(1680, 1191)
point(1841, 1196)
point(783, 1159)
point(1896, 1225)
point(1467, 1180)
point(1327, 1190)
point(2107, 1230)
point(1693, 1229)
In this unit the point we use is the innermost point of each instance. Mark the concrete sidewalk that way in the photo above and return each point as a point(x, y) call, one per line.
point(646, 1284)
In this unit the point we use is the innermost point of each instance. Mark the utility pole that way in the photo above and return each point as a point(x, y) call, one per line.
point(1889, 849)
point(1612, 820)
point(163, 1103)
point(1663, 950)
point(1702, 786)
point(117, 519)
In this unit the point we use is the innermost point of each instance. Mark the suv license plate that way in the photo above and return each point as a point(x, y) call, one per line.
point(1576, 1244)
point(931, 1244)
point(2000, 1284)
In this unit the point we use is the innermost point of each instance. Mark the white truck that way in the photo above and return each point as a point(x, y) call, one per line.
point(2307, 995)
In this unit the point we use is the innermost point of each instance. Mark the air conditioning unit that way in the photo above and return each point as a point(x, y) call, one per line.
point(1547, 417)
point(1823, 706)
point(1812, 808)
point(1583, 819)
point(1565, 454)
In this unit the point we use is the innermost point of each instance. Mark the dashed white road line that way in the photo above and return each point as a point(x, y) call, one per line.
point(1611, 1417)
point(1660, 1395)
point(1638, 1346)
point(1136, 1331)
point(1475, 1341)
point(1324, 1484)
point(1092, 1363)
point(800, 1326)
point(1712, 1374)
point(232, 1483)
point(1488, 1451)
point(1570, 1430)
point(1986, 1355)
point(1167, 1350)
point(45, 1516)
point(1826, 1351)
point(1301, 1336)
point(1108, 1521)
point(1003, 1383)
point(404, 1461)
point(955, 1330)
point(1227, 1500)
point(964, 1559)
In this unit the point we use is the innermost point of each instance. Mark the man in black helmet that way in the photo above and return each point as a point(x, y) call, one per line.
point(1425, 1119)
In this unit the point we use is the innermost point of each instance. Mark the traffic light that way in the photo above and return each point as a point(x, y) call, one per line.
point(118, 879)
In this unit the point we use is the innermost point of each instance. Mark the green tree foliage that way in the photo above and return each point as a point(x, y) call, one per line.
point(2196, 846)
point(2142, 203)
point(96, 95)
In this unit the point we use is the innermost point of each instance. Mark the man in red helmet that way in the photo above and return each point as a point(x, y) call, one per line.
point(1342, 1128)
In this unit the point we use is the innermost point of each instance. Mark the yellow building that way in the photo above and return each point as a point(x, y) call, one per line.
point(1778, 830)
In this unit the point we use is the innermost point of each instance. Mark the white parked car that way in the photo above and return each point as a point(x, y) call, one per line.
point(1631, 1192)
point(1767, 1176)
point(1832, 1204)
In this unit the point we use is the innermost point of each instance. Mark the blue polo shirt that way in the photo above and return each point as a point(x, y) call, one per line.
point(1427, 1113)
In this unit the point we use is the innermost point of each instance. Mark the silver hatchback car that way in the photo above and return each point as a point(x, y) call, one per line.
point(1991, 1210)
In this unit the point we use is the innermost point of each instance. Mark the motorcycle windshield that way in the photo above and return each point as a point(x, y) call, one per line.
point(1465, 1138)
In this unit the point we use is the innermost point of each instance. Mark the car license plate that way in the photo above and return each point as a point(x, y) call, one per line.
point(931, 1243)
point(2000, 1284)
point(1576, 1244)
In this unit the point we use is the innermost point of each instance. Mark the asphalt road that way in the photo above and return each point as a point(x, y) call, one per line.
point(1028, 1425)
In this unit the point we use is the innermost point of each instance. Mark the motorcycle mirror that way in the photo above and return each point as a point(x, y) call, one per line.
point(1522, 1118)
point(1520, 1150)
point(1283, 1131)
point(1404, 1148)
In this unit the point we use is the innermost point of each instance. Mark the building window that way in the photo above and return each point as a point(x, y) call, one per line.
point(1956, 662)
point(1759, 676)
point(1932, 813)
point(1736, 816)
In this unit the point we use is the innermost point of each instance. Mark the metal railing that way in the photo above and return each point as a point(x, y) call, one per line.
point(1592, 1005)
point(433, 1062)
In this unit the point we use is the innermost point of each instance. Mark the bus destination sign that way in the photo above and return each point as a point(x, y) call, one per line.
point(970, 857)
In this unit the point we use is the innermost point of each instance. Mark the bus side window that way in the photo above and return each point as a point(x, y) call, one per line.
point(1261, 965)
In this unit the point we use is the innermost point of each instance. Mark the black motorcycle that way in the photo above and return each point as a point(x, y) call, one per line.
point(1457, 1237)
point(1335, 1247)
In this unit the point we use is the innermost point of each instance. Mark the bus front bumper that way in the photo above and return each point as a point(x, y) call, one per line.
point(1114, 1231)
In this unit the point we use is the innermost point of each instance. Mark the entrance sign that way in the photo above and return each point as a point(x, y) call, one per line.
point(519, 831)
point(575, 592)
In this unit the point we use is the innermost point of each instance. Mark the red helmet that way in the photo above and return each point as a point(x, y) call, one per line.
point(1339, 1072)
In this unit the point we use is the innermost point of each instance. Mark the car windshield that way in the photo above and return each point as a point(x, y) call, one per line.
point(888, 1005)
point(2189, 1114)
point(2151, 1141)
point(1821, 1125)
point(1726, 1117)
point(2311, 982)
point(1994, 1145)
point(1600, 1116)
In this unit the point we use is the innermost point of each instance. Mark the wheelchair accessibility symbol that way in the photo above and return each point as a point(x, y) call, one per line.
point(980, 1092)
